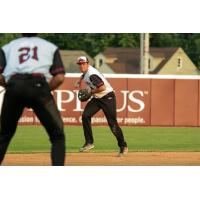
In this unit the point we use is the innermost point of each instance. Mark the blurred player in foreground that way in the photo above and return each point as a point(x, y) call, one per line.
point(103, 98)
point(31, 68)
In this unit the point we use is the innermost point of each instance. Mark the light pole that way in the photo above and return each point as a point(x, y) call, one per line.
point(141, 53)
point(144, 53)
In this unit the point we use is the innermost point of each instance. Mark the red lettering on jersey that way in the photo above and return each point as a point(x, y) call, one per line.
point(25, 55)
point(35, 55)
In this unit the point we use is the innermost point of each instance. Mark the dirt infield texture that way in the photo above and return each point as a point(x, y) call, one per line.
point(108, 159)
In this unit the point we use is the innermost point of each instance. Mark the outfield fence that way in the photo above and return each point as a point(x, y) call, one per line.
point(142, 100)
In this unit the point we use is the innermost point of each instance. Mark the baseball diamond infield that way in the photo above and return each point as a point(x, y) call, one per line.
point(108, 159)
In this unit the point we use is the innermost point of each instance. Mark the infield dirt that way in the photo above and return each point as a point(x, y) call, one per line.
point(108, 159)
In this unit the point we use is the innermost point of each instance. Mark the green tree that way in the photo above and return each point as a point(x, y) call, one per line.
point(93, 43)
point(164, 40)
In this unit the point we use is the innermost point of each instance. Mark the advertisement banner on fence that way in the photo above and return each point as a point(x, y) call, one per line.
point(132, 103)
point(142, 100)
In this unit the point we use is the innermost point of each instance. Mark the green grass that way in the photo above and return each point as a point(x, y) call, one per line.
point(35, 139)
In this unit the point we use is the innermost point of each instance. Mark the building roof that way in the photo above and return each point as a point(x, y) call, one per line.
point(127, 60)
point(165, 53)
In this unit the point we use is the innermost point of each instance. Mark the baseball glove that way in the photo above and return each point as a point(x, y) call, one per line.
point(84, 95)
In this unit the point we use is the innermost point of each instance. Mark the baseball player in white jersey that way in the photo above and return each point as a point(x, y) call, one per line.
point(103, 98)
point(31, 68)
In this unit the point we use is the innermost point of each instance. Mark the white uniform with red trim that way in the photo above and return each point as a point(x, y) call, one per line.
point(28, 55)
point(92, 71)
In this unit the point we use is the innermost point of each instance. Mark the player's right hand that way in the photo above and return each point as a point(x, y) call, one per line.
point(77, 84)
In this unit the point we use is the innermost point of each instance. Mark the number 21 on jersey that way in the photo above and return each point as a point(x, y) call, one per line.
point(27, 53)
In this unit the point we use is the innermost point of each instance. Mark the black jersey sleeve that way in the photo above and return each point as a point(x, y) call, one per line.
point(96, 80)
point(57, 67)
point(2, 60)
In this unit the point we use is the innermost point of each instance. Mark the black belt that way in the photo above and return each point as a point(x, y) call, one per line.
point(26, 75)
